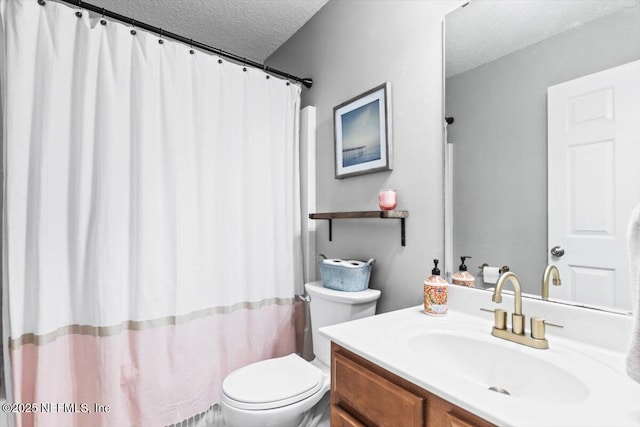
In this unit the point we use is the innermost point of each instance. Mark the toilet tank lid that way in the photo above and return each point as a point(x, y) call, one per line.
point(315, 289)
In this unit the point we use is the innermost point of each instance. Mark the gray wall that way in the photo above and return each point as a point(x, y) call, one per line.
point(349, 47)
point(500, 141)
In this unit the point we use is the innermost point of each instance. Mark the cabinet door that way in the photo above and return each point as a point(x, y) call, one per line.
point(340, 418)
point(372, 398)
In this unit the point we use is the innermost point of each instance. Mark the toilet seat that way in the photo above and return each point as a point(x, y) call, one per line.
point(272, 383)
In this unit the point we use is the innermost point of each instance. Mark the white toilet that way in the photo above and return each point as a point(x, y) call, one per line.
point(289, 391)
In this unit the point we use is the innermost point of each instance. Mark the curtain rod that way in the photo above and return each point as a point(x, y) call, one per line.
point(306, 82)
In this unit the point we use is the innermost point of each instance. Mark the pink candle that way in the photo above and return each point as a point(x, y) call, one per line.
point(388, 200)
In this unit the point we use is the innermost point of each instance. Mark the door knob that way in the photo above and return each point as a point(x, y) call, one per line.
point(557, 251)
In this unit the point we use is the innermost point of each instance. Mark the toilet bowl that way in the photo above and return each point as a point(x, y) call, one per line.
point(290, 391)
point(278, 392)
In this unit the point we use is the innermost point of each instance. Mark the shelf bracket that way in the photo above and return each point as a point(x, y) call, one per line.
point(330, 227)
point(402, 239)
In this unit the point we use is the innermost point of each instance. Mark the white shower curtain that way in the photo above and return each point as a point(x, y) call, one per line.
point(151, 219)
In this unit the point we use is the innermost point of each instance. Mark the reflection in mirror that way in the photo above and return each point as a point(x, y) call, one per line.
point(543, 152)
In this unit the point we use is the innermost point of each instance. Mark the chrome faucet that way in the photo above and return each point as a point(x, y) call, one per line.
point(516, 334)
point(551, 269)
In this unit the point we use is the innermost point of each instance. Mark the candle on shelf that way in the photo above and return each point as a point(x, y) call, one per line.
point(388, 200)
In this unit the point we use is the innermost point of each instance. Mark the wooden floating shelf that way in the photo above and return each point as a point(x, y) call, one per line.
point(360, 214)
point(401, 215)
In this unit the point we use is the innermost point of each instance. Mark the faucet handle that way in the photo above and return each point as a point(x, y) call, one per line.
point(500, 318)
point(537, 328)
point(517, 324)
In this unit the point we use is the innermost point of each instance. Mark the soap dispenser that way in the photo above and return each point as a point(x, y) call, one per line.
point(435, 293)
point(463, 277)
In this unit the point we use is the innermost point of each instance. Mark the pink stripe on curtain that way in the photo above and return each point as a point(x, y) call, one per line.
point(151, 377)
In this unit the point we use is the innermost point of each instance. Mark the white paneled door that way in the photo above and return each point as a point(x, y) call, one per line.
point(594, 183)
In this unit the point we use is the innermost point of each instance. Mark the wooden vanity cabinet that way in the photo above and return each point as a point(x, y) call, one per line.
point(366, 395)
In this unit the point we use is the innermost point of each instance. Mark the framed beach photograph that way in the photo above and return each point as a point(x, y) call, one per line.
point(362, 132)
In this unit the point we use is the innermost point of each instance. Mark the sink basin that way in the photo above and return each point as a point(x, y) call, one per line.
point(515, 371)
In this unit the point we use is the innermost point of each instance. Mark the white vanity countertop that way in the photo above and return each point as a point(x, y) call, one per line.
point(602, 396)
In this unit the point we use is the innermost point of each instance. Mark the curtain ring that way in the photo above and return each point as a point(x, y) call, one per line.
point(191, 51)
point(103, 21)
point(160, 41)
point(41, 2)
point(133, 24)
point(79, 11)
point(244, 64)
point(264, 69)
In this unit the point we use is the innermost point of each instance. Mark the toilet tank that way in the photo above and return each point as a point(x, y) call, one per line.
point(329, 307)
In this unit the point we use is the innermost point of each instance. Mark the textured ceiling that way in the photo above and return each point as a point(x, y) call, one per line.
point(250, 28)
point(486, 30)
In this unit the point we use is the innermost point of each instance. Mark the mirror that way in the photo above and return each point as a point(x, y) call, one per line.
point(543, 96)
